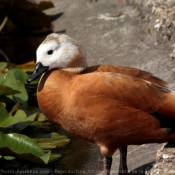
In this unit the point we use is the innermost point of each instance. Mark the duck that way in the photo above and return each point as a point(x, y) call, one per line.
point(109, 105)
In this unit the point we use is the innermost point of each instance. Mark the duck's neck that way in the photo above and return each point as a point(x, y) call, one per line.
point(77, 64)
point(51, 92)
point(77, 67)
point(74, 69)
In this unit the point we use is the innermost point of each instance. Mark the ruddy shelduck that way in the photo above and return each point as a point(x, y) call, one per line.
point(109, 105)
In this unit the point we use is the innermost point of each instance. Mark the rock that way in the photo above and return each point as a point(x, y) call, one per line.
point(165, 162)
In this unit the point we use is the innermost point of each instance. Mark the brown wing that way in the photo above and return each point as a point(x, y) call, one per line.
point(124, 90)
point(126, 70)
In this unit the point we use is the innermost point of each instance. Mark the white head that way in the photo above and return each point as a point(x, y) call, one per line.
point(61, 51)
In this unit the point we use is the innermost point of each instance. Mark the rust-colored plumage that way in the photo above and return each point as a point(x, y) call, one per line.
point(111, 106)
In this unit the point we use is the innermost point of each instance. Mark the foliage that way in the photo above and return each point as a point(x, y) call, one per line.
point(16, 116)
point(23, 25)
point(18, 13)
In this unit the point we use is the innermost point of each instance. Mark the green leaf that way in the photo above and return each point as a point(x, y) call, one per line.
point(18, 74)
point(54, 156)
point(24, 123)
point(41, 123)
point(37, 160)
point(11, 120)
point(11, 82)
point(53, 142)
point(3, 65)
point(8, 157)
point(44, 5)
point(8, 120)
point(22, 144)
point(41, 120)
point(3, 112)
point(5, 90)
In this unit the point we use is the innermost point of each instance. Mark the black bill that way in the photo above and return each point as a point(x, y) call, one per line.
point(39, 70)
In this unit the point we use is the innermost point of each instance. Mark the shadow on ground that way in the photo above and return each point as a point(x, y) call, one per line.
point(142, 169)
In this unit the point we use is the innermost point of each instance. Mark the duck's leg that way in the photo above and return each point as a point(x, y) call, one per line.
point(107, 162)
point(123, 169)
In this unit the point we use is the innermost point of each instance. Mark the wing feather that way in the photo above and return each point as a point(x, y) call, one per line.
point(127, 71)
point(126, 90)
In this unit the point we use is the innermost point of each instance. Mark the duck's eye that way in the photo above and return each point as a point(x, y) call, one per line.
point(50, 52)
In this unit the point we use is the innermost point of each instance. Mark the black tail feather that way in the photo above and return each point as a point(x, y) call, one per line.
point(165, 122)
